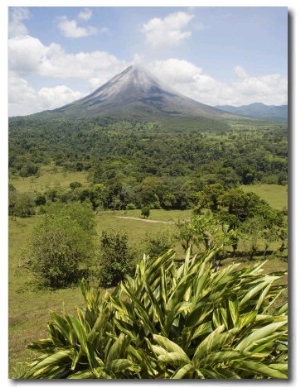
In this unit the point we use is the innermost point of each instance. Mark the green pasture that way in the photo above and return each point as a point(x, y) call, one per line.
point(49, 177)
point(276, 195)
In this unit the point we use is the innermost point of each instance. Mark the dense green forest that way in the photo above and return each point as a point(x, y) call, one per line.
point(133, 164)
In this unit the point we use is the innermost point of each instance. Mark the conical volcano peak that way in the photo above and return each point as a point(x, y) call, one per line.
point(133, 84)
point(136, 93)
point(138, 76)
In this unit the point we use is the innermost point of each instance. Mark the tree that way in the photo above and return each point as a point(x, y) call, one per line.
point(98, 196)
point(62, 248)
point(145, 212)
point(186, 234)
point(24, 205)
point(158, 243)
point(117, 259)
point(210, 198)
point(75, 184)
point(40, 199)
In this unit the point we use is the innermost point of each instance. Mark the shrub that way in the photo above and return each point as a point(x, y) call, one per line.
point(172, 322)
point(61, 249)
point(157, 244)
point(75, 184)
point(130, 206)
point(24, 205)
point(117, 259)
point(145, 212)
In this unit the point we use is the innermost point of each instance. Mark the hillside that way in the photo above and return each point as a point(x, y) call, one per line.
point(136, 94)
point(259, 110)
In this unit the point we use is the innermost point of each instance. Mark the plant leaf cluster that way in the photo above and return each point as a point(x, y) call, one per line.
point(171, 321)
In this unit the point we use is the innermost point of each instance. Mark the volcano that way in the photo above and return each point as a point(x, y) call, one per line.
point(135, 93)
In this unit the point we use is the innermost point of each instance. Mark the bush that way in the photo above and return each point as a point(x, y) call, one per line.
point(61, 249)
point(130, 206)
point(117, 259)
point(172, 322)
point(158, 243)
point(145, 212)
point(23, 206)
point(75, 184)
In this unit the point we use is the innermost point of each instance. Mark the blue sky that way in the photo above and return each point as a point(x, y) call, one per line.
point(216, 55)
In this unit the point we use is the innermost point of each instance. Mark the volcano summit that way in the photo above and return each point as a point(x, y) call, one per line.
point(135, 93)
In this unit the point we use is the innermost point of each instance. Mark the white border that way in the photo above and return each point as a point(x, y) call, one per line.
point(293, 7)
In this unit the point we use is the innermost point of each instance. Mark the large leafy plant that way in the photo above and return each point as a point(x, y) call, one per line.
point(172, 321)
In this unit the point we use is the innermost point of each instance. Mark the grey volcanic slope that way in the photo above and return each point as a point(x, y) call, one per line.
point(135, 93)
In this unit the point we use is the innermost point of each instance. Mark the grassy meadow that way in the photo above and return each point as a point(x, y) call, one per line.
point(29, 306)
point(49, 177)
point(276, 195)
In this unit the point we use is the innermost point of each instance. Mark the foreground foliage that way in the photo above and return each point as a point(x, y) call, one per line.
point(171, 321)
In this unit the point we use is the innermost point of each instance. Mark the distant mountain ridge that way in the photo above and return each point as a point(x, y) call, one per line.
point(135, 93)
point(259, 110)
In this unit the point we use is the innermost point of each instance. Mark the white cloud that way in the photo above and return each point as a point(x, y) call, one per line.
point(57, 96)
point(240, 72)
point(168, 31)
point(190, 80)
point(16, 26)
point(176, 71)
point(24, 99)
point(70, 28)
point(85, 14)
point(27, 55)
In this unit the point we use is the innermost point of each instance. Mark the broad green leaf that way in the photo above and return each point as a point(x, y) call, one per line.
point(119, 365)
point(247, 318)
point(262, 297)
point(116, 350)
point(260, 369)
point(223, 356)
point(170, 346)
point(208, 343)
point(180, 374)
point(86, 374)
point(200, 313)
point(233, 306)
point(252, 292)
point(248, 342)
point(202, 329)
point(215, 340)
point(174, 358)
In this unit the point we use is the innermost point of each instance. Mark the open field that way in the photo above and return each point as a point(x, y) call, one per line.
point(50, 177)
point(276, 195)
point(29, 307)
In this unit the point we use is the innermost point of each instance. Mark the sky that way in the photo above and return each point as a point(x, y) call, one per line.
point(215, 55)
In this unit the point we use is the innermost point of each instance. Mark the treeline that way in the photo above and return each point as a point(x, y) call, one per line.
point(65, 246)
point(125, 153)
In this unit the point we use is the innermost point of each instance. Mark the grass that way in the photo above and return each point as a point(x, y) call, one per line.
point(50, 177)
point(276, 195)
